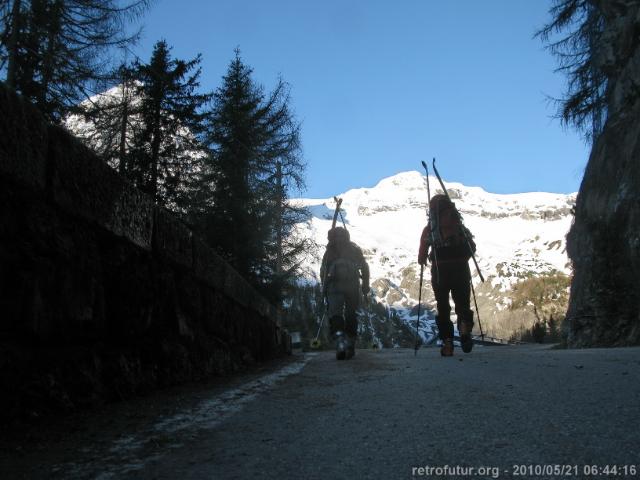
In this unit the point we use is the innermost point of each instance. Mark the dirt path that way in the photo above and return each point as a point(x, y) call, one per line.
point(386, 414)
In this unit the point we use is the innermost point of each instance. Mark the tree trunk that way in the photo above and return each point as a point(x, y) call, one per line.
point(123, 129)
point(155, 154)
point(53, 30)
point(280, 213)
point(12, 48)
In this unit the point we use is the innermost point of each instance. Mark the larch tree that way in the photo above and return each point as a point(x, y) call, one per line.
point(109, 122)
point(56, 52)
point(573, 36)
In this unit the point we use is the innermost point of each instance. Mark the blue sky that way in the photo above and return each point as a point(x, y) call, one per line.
point(380, 85)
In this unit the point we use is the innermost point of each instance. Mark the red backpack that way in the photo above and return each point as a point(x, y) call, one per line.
point(446, 226)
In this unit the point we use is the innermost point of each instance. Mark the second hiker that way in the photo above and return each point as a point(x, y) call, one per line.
point(342, 267)
point(449, 245)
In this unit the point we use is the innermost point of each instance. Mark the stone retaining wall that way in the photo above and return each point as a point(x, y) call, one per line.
point(102, 294)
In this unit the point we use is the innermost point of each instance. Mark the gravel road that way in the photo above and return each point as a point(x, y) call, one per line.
point(499, 412)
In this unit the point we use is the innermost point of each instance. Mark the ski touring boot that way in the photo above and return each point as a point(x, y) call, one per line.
point(466, 342)
point(447, 347)
point(342, 345)
point(351, 347)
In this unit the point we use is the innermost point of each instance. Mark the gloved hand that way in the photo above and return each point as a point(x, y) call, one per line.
point(365, 289)
point(423, 256)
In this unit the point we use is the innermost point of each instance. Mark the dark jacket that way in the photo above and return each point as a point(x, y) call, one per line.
point(449, 253)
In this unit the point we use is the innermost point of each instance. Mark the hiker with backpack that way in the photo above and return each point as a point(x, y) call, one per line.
point(343, 265)
point(449, 245)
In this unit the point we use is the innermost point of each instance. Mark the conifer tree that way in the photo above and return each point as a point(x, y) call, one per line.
point(168, 152)
point(255, 160)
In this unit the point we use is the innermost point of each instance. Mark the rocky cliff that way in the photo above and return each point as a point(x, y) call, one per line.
point(604, 241)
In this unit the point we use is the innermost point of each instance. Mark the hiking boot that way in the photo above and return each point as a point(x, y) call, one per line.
point(466, 342)
point(351, 348)
point(342, 344)
point(447, 347)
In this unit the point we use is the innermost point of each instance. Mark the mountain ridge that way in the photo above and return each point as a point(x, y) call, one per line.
point(519, 237)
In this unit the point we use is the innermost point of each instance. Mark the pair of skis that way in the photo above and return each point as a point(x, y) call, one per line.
point(467, 240)
point(337, 212)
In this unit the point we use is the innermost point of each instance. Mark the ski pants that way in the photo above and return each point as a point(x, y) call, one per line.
point(451, 277)
point(341, 310)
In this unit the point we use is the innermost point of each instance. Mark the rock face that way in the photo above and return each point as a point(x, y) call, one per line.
point(604, 241)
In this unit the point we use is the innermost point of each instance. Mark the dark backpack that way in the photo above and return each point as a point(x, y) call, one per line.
point(446, 226)
point(343, 271)
point(343, 268)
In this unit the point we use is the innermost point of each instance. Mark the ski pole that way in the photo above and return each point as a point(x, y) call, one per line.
point(369, 300)
point(460, 216)
point(324, 314)
point(415, 352)
point(315, 343)
point(473, 290)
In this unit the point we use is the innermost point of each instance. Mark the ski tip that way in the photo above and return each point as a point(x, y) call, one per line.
point(424, 164)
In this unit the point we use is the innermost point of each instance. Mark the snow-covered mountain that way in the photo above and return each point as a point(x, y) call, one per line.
point(518, 236)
